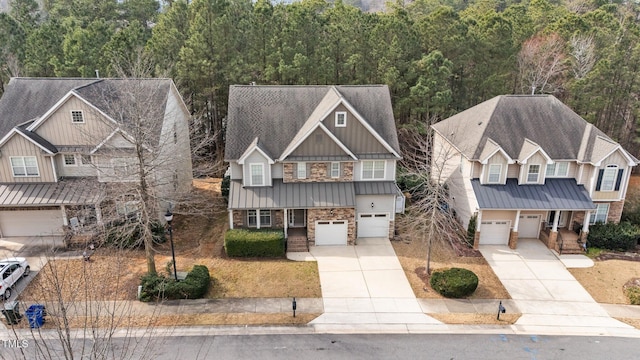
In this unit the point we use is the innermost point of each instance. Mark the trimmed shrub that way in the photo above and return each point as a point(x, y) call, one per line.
point(633, 293)
point(194, 286)
point(471, 229)
point(454, 282)
point(127, 234)
point(254, 243)
point(617, 237)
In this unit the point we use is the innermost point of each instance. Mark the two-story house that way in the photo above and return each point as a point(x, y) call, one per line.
point(318, 162)
point(530, 167)
point(64, 143)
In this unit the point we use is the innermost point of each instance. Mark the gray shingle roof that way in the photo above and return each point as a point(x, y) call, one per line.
point(509, 119)
point(555, 194)
point(292, 195)
point(36, 138)
point(275, 114)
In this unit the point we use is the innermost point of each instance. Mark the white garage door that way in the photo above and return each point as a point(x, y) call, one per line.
point(31, 223)
point(494, 232)
point(529, 226)
point(373, 225)
point(331, 232)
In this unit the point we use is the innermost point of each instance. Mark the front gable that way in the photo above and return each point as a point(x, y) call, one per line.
point(353, 132)
point(256, 169)
point(19, 146)
point(321, 145)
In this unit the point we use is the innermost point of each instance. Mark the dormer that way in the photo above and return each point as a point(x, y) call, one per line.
point(256, 166)
point(495, 162)
point(533, 163)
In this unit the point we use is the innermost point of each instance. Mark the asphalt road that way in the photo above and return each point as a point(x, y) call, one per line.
point(322, 346)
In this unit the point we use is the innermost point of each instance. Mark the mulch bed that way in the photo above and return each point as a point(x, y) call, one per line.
point(618, 256)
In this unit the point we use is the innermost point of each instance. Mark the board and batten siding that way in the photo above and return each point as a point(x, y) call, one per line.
point(318, 143)
point(354, 136)
point(19, 146)
point(59, 130)
point(497, 158)
point(389, 171)
point(536, 159)
point(256, 158)
point(74, 170)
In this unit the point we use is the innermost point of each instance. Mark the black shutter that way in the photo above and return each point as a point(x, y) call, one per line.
point(600, 173)
point(619, 179)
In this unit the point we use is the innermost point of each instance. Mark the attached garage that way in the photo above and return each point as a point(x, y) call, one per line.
point(494, 232)
point(31, 223)
point(529, 226)
point(331, 232)
point(373, 225)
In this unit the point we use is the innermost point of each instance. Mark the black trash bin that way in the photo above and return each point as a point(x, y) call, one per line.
point(35, 315)
point(11, 312)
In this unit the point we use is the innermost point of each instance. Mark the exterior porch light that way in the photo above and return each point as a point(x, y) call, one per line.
point(372, 205)
point(168, 216)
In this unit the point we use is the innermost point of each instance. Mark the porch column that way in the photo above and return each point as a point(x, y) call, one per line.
point(585, 227)
point(257, 218)
point(230, 219)
point(476, 236)
point(556, 219)
point(513, 235)
point(65, 221)
point(553, 234)
point(285, 221)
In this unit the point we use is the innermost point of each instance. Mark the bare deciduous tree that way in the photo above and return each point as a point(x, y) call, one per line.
point(583, 52)
point(542, 64)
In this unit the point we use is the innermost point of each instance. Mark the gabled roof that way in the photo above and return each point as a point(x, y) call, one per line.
point(530, 148)
point(278, 115)
point(511, 120)
point(490, 149)
point(255, 146)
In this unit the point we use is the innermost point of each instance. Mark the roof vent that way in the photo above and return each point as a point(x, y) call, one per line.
point(479, 123)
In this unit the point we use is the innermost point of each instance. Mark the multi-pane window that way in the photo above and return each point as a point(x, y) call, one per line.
point(252, 219)
point(373, 169)
point(301, 170)
point(494, 173)
point(533, 173)
point(86, 159)
point(257, 174)
point(24, 166)
point(69, 160)
point(609, 178)
point(341, 119)
point(600, 216)
point(77, 116)
point(265, 218)
point(335, 169)
point(557, 169)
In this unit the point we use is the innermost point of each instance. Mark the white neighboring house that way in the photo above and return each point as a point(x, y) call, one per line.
point(318, 162)
point(529, 167)
point(64, 140)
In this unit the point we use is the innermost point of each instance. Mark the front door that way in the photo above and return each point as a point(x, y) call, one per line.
point(562, 218)
point(297, 217)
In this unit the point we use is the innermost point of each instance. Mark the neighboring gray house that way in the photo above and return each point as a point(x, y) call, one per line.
point(64, 141)
point(530, 167)
point(316, 161)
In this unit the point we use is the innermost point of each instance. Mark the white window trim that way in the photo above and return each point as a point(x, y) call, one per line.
point(338, 113)
point(609, 168)
point(24, 165)
point(594, 216)
point(337, 175)
point(81, 115)
point(64, 160)
point(499, 174)
point(530, 173)
point(301, 170)
point(556, 167)
point(82, 162)
point(261, 173)
point(270, 218)
point(373, 170)
point(255, 215)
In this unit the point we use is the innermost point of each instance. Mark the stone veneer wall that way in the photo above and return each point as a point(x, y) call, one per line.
point(513, 239)
point(348, 214)
point(318, 172)
point(392, 230)
point(615, 211)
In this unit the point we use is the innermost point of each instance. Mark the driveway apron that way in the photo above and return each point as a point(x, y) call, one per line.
point(547, 295)
point(365, 285)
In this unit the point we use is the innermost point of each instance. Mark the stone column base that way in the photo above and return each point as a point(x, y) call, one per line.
point(583, 236)
point(553, 236)
point(513, 239)
point(476, 240)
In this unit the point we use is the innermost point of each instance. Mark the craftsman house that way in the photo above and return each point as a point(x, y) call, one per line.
point(65, 143)
point(318, 162)
point(530, 167)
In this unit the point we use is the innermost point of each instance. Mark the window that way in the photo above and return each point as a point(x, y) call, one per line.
point(77, 116)
point(120, 167)
point(24, 166)
point(252, 220)
point(533, 173)
point(301, 170)
point(257, 174)
point(341, 119)
point(128, 206)
point(494, 173)
point(607, 181)
point(86, 159)
point(70, 160)
point(373, 170)
point(265, 218)
point(558, 169)
point(335, 169)
point(600, 215)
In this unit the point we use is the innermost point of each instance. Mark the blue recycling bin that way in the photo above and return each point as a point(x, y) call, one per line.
point(35, 315)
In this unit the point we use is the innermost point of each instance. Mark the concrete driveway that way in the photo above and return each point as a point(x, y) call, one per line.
point(547, 295)
point(365, 285)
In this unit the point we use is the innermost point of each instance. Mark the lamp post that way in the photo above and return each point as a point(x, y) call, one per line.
point(169, 217)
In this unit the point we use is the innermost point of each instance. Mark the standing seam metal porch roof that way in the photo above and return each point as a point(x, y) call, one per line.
point(65, 192)
point(292, 195)
point(555, 194)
